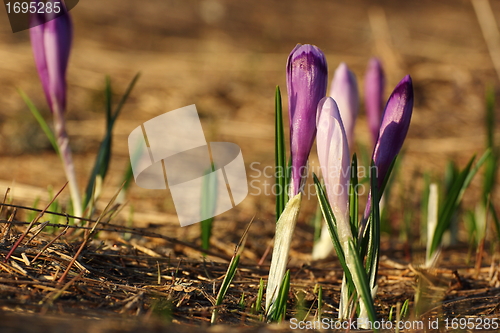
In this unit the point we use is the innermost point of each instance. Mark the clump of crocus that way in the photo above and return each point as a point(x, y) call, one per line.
point(307, 75)
point(51, 39)
point(344, 91)
point(354, 248)
point(374, 92)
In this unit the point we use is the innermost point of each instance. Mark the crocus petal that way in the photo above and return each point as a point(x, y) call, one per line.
point(374, 91)
point(38, 46)
point(51, 43)
point(393, 130)
point(307, 75)
point(333, 155)
point(394, 127)
point(344, 91)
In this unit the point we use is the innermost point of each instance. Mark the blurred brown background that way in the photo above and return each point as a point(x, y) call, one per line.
point(227, 57)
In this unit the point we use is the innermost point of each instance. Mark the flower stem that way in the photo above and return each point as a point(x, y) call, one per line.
point(67, 161)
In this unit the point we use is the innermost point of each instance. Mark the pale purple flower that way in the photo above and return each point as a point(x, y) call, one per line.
point(393, 130)
point(51, 37)
point(51, 43)
point(334, 159)
point(307, 76)
point(374, 91)
point(344, 91)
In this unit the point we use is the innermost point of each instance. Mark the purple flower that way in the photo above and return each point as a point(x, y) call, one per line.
point(374, 91)
point(334, 159)
point(51, 42)
point(393, 130)
point(307, 76)
point(345, 92)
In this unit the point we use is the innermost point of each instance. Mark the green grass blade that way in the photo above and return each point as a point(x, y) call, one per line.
point(277, 311)
point(280, 156)
point(320, 303)
point(260, 295)
point(330, 220)
point(373, 253)
point(353, 196)
point(125, 96)
point(360, 280)
point(208, 204)
point(231, 271)
point(495, 219)
point(104, 154)
point(332, 227)
point(43, 124)
point(454, 196)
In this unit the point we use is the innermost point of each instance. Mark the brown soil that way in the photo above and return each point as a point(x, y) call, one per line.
point(227, 57)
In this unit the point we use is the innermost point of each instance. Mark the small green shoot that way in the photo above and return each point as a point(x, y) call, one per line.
point(231, 271)
point(104, 153)
point(457, 188)
point(41, 121)
point(208, 205)
point(241, 303)
point(277, 311)
point(320, 304)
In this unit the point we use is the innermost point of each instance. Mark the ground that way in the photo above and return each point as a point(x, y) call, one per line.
point(227, 58)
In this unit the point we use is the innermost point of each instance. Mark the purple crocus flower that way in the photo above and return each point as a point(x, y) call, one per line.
point(51, 42)
point(393, 130)
point(334, 159)
point(344, 91)
point(307, 75)
point(374, 91)
point(51, 38)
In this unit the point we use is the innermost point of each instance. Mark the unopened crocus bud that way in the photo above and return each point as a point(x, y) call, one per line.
point(51, 43)
point(374, 91)
point(333, 155)
point(344, 91)
point(307, 76)
point(393, 130)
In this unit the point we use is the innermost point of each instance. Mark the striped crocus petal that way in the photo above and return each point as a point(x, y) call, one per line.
point(307, 76)
point(344, 91)
point(333, 155)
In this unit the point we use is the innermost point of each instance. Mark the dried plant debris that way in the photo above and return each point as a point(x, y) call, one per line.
point(136, 283)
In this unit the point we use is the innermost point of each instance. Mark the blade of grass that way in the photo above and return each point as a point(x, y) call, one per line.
point(374, 231)
point(208, 205)
point(360, 280)
point(43, 124)
point(231, 271)
point(277, 311)
point(280, 155)
point(104, 154)
point(260, 295)
point(457, 189)
point(353, 196)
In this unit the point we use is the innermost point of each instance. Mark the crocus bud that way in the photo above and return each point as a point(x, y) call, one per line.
point(307, 76)
point(393, 130)
point(51, 42)
point(374, 91)
point(333, 155)
point(344, 91)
